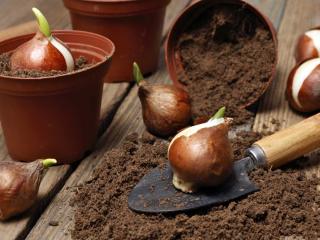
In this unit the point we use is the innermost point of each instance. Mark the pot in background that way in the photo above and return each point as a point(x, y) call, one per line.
point(135, 26)
point(57, 116)
point(190, 14)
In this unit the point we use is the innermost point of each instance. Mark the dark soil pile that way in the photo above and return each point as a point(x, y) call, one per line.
point(80, 63)
point(227, 55)
point(288, 203)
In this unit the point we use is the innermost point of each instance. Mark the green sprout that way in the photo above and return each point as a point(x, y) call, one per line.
point(137, 75)
point(219, 114)
point(43, 23)
point(49, 162)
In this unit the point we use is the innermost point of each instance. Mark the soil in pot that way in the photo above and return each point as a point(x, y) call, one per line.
point(80, 63)
point(228, 55)
point(288, 203)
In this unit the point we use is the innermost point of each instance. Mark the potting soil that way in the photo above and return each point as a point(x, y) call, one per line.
point(5, 69)
point(288, 203)
point(228, 56)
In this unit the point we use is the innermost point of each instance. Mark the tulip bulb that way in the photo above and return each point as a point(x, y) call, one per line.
point(308, 46)
point(201, 155)
point(43, 52)
point(166, 109)
point(19, 185)
point(303, 86)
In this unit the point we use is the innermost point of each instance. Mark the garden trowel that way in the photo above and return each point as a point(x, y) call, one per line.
point(155, 192)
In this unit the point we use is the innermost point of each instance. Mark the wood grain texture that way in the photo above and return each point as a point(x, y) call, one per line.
point(127, 119)
point(55, 178)
point(15, 12)
point(24, 28)
point(273, 9)
point(299, 16)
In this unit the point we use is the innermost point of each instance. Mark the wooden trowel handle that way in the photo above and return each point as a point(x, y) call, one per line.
point(292, 142)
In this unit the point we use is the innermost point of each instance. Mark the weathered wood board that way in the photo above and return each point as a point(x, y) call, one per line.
point(55, 177)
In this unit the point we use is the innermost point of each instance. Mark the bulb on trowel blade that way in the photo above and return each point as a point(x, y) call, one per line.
point(201, 155)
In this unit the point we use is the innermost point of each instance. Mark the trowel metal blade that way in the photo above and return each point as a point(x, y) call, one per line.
point(155, 192)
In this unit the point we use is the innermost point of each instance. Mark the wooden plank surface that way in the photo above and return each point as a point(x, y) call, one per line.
point(299, 17)
point(25, 28)
point(128, 119)
point(15, 12)
point(274, 9)
point(55, 177)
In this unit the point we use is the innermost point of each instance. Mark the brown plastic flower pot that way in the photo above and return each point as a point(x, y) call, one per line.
point(135, 26)
point(173, 59)
point(55, 116)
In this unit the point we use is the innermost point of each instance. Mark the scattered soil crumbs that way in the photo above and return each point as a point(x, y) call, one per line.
point(287, 205)
point(80, 63)
point(228, 56)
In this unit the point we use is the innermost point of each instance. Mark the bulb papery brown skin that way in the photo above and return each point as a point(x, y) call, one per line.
point(166, 109)
point(303, 86)
point(308, 46)
point(19, 185)
point(43, 52)
point(201, 156)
